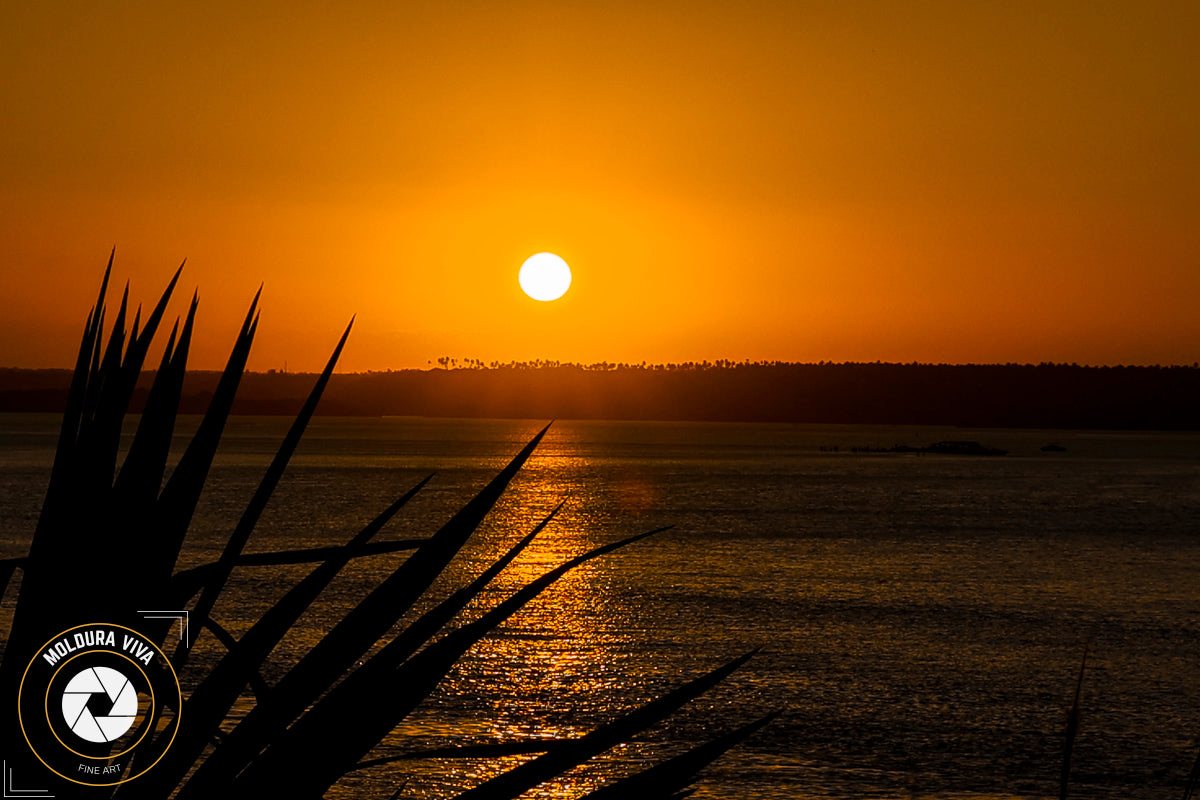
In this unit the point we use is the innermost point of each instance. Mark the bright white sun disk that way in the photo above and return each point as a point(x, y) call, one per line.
point(545, 276)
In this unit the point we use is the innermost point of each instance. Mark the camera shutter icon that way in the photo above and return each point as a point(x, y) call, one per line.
point(100, 704)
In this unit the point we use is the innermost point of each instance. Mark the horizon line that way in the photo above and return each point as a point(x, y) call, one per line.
point(477, 365)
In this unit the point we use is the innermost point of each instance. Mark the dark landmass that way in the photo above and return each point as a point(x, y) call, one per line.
point(1009, 395)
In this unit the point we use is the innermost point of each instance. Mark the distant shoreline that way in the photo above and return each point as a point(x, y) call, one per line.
point(1009, 396)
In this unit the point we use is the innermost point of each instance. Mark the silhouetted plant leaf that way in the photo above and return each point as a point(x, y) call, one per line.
point(328, 661)
point(8, 566)
point(101, 526)
point(1071, 732)
point(63, 470)
point(245, 526)
point(531, 773)
point(257, 684)
point(675, 774)
point(178, 499)
point(1193, 779)
point(367, 709)
point(100, 436)
point(483, 750)
point(186, 583)
point(140, 479)
point(216, 694)
point(40, 605)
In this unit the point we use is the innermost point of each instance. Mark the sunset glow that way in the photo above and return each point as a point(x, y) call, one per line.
point(957, 182)
point(550, 399)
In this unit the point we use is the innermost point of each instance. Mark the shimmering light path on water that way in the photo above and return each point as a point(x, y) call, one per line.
point(921, 617)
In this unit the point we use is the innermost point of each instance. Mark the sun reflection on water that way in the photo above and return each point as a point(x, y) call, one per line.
point(559, 667)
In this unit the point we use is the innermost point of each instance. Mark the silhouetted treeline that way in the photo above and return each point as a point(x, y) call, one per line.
point(1009, 395)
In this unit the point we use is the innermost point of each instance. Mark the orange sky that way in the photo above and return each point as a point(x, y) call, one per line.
point(932, 181)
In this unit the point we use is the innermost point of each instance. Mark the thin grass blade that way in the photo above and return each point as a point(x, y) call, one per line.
point(1064, 779)
point(1193, 779)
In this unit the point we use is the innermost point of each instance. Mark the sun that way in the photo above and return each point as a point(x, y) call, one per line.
point(545, 276)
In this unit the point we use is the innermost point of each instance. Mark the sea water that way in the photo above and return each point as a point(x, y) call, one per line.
point(920, 619)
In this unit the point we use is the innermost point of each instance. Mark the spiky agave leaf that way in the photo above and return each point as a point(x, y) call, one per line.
point(211, 701)
point(140, 479)
point(155, 529)
point(185, 583)
point(675, 774)
point(220, 769)
point(178, 499)
point(525, 776)
point(245, 526)
point(255, 680)
point(361, 628)
point(370, 703)
point(516, 747)
point(81, 535)
point(57, 505)
point(430, 624)
point(63, 469)
point(133, 511)
point(100, 434)
point(79, 516)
